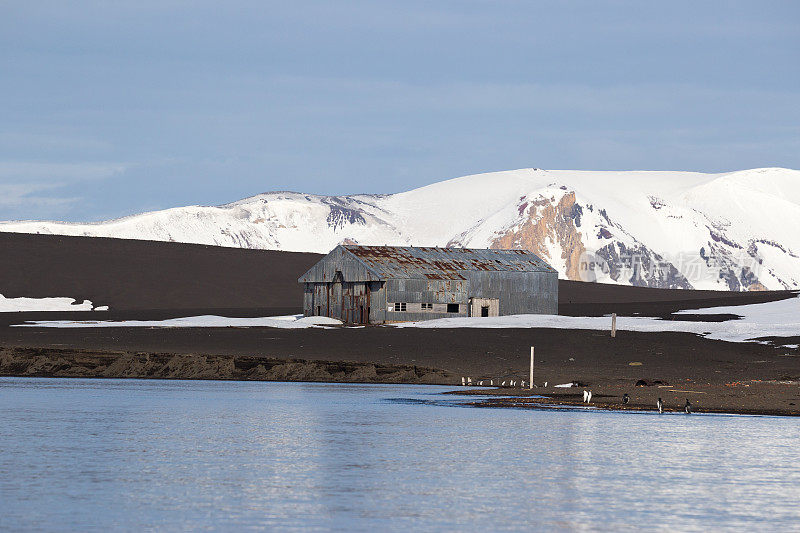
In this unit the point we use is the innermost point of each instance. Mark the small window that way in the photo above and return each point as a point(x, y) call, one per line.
point(427, 307)
point(452, 308)
point(399, 306)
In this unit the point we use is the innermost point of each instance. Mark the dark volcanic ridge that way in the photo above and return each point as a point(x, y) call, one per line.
point(174, 279)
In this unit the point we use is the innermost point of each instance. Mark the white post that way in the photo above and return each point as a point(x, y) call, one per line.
point(613, 324)
point(530, 382)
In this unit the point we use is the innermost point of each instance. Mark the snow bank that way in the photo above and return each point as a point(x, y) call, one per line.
point(11, 305)
point(772, 319)
point(205, 321)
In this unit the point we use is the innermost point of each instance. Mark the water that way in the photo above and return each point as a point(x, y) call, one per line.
point(178, 455)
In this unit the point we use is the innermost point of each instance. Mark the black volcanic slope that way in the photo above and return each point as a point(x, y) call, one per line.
point(130, 275)
point(137, 275)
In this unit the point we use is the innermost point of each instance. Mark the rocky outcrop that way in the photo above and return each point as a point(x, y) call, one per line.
point(547, 220)
point(641, 267)
point(44, 362)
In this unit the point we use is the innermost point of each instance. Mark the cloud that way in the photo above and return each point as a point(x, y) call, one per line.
point(30, 189)
point(24, 195)
point(61, 172)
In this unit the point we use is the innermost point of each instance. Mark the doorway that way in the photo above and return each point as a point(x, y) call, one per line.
point(484, 307)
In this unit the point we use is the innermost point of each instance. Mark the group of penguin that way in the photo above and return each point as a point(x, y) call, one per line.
point(687, 408)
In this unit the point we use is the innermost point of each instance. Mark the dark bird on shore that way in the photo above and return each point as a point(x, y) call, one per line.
point(688, 407)
point(625, 398)
point(660, 405)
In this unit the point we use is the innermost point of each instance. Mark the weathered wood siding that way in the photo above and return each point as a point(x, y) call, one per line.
point(342, 287)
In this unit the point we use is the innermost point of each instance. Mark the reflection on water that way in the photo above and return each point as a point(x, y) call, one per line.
point(99, 454)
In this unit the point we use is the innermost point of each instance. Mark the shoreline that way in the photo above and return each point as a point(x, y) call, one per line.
point(754, 397)
point(72, 363)
point(718, 400)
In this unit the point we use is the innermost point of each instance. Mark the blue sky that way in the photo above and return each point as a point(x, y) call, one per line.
point(113, 108)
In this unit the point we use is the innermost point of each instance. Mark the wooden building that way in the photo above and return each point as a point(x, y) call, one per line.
point(380, 284)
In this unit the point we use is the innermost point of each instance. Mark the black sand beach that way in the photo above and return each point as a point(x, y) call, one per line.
point(146, 280)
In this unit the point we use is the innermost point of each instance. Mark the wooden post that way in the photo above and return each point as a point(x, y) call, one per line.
point(530, 383)
point(613, 324)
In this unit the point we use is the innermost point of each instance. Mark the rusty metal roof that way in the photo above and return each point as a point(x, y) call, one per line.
point(392, 262)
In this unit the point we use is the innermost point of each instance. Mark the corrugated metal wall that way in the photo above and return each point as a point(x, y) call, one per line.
point(341, 287)
point(518, 292)
point(353, 302)
point(419, 291)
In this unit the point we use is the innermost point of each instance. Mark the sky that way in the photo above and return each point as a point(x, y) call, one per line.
point(115, 108)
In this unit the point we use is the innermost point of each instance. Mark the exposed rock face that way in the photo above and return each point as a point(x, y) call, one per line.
point(643, 267)
point(730, 260)
point(550, 224)
point(342, 216)
point(548, 221)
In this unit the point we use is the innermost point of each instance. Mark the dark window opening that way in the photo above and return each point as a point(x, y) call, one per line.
point(484, 310)
point(319, 310)
point(426, 307)
point(452, 308)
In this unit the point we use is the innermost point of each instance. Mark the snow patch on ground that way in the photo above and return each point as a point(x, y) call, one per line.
point(772, 319)
point(205, 321)
point(17, 305)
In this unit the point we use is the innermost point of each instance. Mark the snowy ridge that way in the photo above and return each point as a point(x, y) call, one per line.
point(730, 231)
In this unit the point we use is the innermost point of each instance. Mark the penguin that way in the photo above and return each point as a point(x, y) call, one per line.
point(589, 397)
point(625, 398)
point(688, 407)
point(585, 396)
point(660, 405)
point(545, 384)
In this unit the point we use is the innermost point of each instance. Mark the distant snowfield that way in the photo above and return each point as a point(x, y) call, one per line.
point(729, 231)
point(205, 321)
point(772, 319)
point(17, 305)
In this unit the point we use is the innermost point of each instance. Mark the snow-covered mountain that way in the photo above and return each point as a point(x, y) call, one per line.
point(732, 231)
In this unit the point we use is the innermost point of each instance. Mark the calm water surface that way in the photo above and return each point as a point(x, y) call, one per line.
point(178, 455)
